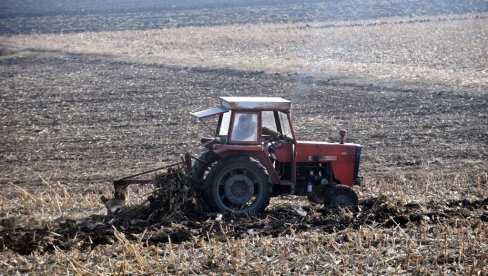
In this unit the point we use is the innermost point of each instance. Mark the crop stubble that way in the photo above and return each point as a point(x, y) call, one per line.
point(71, 122)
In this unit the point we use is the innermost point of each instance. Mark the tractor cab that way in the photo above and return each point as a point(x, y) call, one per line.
point(241, 120)
point(254, 154)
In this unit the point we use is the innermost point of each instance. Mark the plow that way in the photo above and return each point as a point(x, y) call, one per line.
point(251, 156)
point(115, 204)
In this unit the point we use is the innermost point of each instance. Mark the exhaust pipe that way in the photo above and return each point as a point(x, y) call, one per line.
point(342, 133)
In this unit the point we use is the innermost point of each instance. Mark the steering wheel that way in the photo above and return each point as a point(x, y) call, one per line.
point(274, 143)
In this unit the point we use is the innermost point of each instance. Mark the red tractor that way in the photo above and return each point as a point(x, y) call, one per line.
point(254, 155)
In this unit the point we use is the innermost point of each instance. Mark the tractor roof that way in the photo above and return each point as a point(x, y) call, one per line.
point(255, 103)
point(245, 103)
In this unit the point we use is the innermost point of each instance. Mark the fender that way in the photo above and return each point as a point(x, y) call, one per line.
point(257, 152)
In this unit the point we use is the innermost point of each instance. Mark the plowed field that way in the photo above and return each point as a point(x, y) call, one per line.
point(76, 114)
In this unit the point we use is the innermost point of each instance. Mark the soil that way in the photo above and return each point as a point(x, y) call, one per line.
point(119, 118)
point(88, 119)
point(24, 237)
point(80, 121)
point(56, 16)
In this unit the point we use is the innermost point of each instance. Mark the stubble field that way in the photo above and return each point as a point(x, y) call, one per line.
point(82, 108)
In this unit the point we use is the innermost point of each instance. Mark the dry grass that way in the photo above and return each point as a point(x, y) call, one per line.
point(426, 249)
point(446, 49)
point(453, 246)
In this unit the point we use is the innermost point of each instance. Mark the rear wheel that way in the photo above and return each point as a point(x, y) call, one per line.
point(199, 172)
point(202, 165)
point(341, 196)
point(239, 185)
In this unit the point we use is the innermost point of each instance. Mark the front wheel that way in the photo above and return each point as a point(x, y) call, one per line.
point(321, 194)
point(238, 185)
point(341, 196)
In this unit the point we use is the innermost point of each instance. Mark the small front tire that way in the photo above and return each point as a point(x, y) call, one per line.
point(342, 196)
point(321, 194)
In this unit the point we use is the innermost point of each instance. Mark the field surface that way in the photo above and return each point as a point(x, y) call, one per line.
point(92, 92)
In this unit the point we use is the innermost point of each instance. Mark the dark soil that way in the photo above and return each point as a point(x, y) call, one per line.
point(81, 121)
point(56, 16)
point(85, 120)
point(26, 237)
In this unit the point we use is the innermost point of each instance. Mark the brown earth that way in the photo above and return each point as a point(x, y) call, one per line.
point(71, 123)
point(86, 119)
point(25, 237)
point(70, 16)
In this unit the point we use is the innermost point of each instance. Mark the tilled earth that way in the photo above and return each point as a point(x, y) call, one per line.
point(56, 16)
point(71, 123)
point(26, 237)
point(80, 121)
point(84, 120)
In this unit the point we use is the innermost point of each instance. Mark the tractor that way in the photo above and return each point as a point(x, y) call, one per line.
point(254, 155)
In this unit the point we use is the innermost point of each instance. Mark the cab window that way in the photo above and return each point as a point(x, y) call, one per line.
point(285, 125)
point(224, 126)
point(245, 127)
point(269, 120)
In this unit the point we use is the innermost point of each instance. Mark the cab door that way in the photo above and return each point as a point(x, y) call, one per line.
point(280, 144)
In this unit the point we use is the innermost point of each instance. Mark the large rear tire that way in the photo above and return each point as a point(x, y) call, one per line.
point(238, 185)
point(202, 166)
point(200, 170)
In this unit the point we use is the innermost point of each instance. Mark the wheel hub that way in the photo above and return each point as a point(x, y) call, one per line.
point(238, 189)
point(343, 200)
point(343, 197)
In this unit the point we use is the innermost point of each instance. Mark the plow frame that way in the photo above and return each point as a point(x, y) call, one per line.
point(120, 185)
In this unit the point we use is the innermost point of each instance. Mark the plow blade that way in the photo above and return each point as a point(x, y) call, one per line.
point(115, 204)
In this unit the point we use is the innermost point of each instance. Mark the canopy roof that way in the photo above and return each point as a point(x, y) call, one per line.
point(245, 103)
point(255, 103)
